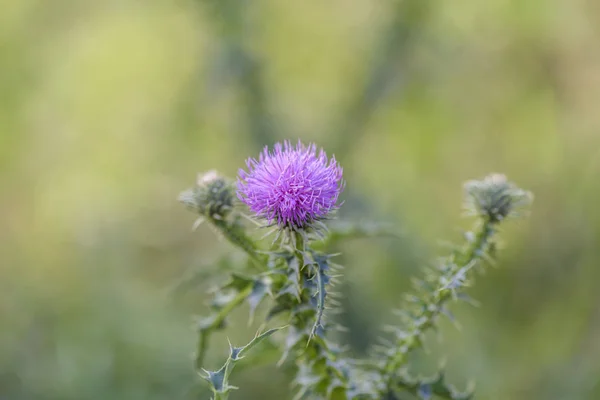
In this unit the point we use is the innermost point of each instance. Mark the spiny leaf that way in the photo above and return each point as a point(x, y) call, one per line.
point(238, 282)
point(219, 380)
point(216, 379)
point(257, 339)
point(321, 294)
point(216, 321)
point(426, 388)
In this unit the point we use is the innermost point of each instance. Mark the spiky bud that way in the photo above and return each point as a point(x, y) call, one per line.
point(495, 198)
point(213, 196)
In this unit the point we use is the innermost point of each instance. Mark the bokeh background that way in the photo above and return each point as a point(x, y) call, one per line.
point(109, 108)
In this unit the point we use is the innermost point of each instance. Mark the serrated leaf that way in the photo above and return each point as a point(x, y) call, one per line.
point(337, 391)
point(424, 391)
point(234, 352)
point(320, 295)
point(291, 289)
point(219, 380)
point(426, 388)
point(238, 282)
point(320, 270)
point(257, 339)
point(216, 379)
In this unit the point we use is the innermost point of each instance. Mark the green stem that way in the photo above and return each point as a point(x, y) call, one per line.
point(300, 248)
point(220, 396)
point(204, 333)
point(427, 315)
point(299, 252)
point(203, 339)
point(319, 350)
point(236, 235)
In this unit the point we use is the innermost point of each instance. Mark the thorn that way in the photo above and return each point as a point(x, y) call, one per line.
point(251, 219)
point(197, 223)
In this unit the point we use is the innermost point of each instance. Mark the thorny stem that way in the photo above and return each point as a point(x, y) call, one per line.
point(220, 396)
point(323, 351)
point(427, 315)
point(238, 238)
point(299, 248)
point(205, 331)
point(440, 391)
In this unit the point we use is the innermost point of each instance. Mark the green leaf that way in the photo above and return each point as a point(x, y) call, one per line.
point(337, 392)
point(238, 282)
point(219, 380)
point(321, 267)
point(224, 304)
point(257, 339)
point(216, 379)
point(427, 388)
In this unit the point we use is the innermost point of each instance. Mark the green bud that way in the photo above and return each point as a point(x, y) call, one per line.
point(213, 196)
point(495, 197)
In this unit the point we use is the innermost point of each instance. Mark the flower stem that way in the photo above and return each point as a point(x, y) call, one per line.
point(433, 302)
point(237, 236)
point(217, 320)
point(221, 396)
point(318, 356)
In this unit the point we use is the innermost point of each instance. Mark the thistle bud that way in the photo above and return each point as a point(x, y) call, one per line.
point(495, 198)
point(213, 196)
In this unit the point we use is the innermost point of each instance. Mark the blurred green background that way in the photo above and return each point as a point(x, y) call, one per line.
point(109, 108)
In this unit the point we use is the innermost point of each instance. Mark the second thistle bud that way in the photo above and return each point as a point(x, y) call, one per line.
point(213, 196)
point(495, 197)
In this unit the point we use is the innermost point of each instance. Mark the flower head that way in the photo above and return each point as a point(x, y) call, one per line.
point(212, 196)
point(495, 197)
point(291, 186)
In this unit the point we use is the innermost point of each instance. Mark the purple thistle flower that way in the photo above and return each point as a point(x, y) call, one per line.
point(292, 186)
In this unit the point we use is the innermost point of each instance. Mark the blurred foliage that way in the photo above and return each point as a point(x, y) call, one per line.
point(108, 108)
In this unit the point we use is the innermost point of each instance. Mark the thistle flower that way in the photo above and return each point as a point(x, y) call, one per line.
point(495, 197)
point(291, 186)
